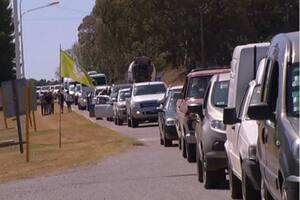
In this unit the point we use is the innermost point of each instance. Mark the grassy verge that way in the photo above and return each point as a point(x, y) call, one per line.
point(82, 142)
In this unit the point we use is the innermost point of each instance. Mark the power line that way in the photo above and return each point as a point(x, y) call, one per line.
point(72, 9)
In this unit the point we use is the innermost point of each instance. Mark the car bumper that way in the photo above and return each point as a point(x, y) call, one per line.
point(291, 185)
point(145, 114)
point(171, 132)
point(122, 114)
point(252, 170)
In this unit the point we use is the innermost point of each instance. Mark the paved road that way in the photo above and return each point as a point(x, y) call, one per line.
point(145, 172)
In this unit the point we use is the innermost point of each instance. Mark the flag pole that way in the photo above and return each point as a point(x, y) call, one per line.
point(60, 99)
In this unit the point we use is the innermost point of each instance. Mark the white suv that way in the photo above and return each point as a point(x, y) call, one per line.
point(145, 100)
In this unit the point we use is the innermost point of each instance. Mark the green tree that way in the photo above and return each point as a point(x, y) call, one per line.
point(7, 49)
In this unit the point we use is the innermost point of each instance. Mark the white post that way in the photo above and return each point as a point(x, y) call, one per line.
point(22, 41)
point(17, 39)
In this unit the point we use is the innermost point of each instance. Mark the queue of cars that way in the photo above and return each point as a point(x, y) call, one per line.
point(247, 123)
point(241, 122)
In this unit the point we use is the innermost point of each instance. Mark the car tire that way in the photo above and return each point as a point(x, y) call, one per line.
point(128, 121)
point(183, 148)
point(134, 123)
point(179, 143)
point(235, 185)
point(249, 193)
point(199, 167)
point(190, 152)
point(167, 142)
point(115, 121)
point(120, 122)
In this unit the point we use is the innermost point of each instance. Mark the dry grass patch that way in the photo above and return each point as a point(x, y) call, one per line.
point(82, 142)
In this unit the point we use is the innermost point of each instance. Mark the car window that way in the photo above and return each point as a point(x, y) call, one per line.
point(219, 97)
point(149, 89)
point(244, 103)
point(292, 91)
point(171, 101)
point(123, 96)
point(197, 86)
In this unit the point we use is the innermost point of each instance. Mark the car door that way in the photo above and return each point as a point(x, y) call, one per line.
point(269, 134)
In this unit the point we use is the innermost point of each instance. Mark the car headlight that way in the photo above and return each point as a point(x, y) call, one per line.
point(296, 149)
point(170, 121)
point(84, 100)
point(217, 124)
point(252, 152)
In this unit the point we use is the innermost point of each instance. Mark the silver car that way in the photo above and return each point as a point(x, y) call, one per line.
point(120, 113)
point(211, 133)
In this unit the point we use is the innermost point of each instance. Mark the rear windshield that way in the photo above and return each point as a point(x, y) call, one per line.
point(293, 91)
point(124, 95)
point(149, 89)
point(197, 86)
point(219, 96)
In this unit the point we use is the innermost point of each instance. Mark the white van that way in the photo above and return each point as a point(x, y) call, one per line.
point(244, 65)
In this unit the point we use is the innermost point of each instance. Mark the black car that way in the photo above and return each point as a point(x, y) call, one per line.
point(167, 117)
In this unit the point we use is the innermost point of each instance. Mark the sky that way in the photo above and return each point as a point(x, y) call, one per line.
point(46, 29)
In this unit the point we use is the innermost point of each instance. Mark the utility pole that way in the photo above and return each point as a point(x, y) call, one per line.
point(17, 39)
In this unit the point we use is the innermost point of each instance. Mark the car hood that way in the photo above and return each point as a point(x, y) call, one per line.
point(121, 103)
point(150, 97)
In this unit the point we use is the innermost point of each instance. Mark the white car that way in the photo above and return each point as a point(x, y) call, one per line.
point(145, 100)
point(241, 144)
point(103, 107)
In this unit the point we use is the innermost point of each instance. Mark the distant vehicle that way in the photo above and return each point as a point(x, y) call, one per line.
point(103, 107)
point(141, 70)
point(192, 93)
point(211, 132)
point(167, 117)
point(245, 138)
point(278, 115)
point(244, 64)
point(146, 97)
point(119, 107)
point(67, 82)
point(115, 89)
point(99, 79)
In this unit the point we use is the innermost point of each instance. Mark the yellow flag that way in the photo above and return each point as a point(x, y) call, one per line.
point(69, 68)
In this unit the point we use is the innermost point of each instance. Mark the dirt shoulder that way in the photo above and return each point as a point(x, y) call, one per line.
point(83, 142)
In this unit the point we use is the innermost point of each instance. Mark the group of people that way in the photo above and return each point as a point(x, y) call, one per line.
point(47, 103)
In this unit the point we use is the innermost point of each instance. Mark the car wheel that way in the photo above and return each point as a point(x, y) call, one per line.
point(167, 142)
point(115, 121)
point(128, 121)
point(183, 148)
point(120, 122)
point(179, 143)
point(235, 185)
point(199, 167)
point(134, 122)
point(264, 193)
point(208, 178)
point(190, 152)
point(249, 193)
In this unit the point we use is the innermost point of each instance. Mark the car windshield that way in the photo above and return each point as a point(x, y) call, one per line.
point(149, 89)
point(172, 99)
point(197, 86)
point(219, 96)
point(100, 81)
point(293, 91)
point(124, 95)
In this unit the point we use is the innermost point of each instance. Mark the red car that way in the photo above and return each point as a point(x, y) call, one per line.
point(192, 94)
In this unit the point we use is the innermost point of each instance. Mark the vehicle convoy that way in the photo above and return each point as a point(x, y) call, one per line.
point(166, 117)
point(141, 70)
point(192, 93)
point(278, 141)
point(115, 90)
point(211, 132)
point(119, 107)
point(146, 97)
point(244, 65)
point(245, 137)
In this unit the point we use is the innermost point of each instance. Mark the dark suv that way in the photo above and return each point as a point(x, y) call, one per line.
point(278, 115)
point(192, 94)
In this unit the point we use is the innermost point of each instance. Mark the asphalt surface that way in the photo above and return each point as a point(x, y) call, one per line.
point(149, 172)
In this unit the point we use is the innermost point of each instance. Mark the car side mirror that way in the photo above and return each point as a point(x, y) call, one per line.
point(229, 116)
point(259, 111)
point(160, 108)
point(197, 109)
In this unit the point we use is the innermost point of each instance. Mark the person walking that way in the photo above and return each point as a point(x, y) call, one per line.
point(69, 101)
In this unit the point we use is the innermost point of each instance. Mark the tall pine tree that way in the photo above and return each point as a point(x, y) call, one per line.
point(7, 47)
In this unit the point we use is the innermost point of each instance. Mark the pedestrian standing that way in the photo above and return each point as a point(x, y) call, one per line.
point(43, 103)
point(61, 100)
point(52, 103)
point(69, 101)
